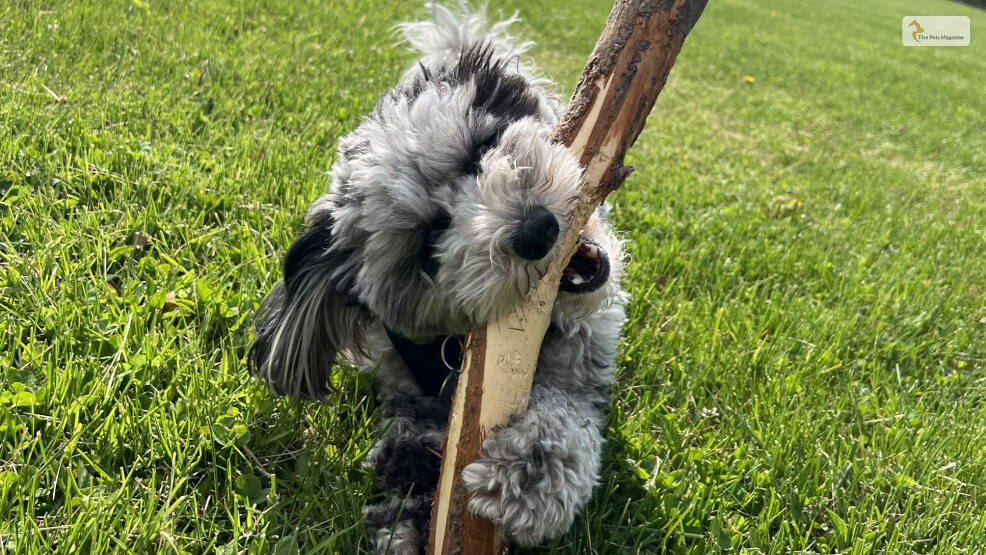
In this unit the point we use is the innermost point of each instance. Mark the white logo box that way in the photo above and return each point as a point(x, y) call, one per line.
point(935, 30)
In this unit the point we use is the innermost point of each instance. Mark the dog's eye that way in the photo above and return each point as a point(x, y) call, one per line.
point(432, 235)
point(481, 149)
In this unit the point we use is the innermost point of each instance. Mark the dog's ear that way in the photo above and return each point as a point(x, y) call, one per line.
point(309, 317)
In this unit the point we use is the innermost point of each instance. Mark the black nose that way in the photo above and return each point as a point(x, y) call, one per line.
point(537, 233)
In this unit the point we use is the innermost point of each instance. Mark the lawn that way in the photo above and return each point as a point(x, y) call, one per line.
point(804, 367)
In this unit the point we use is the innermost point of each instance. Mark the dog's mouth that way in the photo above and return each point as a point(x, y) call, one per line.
point(588, 269)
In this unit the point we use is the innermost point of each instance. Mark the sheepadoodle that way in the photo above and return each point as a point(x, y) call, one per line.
point(444, 208)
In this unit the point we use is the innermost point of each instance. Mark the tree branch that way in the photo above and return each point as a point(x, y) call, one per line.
point(618, 88)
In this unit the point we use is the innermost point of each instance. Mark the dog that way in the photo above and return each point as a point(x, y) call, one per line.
point(444, 209)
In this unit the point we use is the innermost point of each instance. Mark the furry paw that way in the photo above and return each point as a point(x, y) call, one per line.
point(404, 539)
point(533, 477)
point(398, 526)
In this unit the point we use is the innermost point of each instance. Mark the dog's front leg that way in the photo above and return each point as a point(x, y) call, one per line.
point(407, 461)
point(537, 472)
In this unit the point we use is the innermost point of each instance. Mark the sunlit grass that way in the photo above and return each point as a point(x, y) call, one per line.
point(804, 367)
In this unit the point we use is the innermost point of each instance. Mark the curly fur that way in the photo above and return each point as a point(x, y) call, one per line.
point(418, 235)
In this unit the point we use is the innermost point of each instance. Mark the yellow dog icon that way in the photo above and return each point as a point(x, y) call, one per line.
point(919, 29)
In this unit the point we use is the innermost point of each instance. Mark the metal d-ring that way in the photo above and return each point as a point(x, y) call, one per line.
point(444, 360)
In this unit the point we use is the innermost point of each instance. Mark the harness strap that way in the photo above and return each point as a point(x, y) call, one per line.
point(433, 365)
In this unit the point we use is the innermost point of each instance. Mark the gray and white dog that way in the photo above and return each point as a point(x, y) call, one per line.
point(444, 209)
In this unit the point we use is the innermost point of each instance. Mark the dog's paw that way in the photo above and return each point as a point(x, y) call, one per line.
point(398, 525)
point(528, 485)
point(403, 539)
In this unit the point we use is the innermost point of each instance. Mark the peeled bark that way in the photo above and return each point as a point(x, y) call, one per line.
point(618, 88)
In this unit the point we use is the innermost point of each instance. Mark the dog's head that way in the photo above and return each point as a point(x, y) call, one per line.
point(446, 206)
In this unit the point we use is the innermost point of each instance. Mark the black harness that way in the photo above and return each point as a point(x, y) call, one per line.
point(433, 365)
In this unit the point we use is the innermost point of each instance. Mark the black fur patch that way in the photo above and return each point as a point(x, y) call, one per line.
point(408, 464)
point(432, 233)
point(415, 509)
point(498, 92)
point(306, 251)
point(472, 165)
point(504, 95)
point(311, 252)
point(424, 409)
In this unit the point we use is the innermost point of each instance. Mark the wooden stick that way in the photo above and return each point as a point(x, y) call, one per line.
point(618, 88)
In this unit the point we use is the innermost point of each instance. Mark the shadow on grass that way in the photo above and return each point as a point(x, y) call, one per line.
point(304, 468)
point(981, 4)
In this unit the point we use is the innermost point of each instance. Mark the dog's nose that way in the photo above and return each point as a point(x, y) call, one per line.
point(537, 233)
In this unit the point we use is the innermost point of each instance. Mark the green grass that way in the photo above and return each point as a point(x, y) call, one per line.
point(804, 367)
